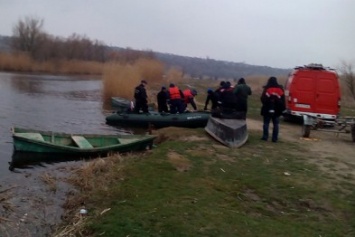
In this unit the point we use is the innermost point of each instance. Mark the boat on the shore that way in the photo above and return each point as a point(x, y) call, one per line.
point(159, 120)
point(231, 132)
point(82, 145)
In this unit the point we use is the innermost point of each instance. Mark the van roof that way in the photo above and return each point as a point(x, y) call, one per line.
point(314, 66)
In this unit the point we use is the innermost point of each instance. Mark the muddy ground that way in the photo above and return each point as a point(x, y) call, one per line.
point(31, 202)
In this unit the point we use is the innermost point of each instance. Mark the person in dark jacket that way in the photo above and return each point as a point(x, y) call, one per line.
point(273, 104)
point(242, 91)
point(162, 98)
point(141, 98)
point(219, 90)
point(227, 98)
point(211, 96)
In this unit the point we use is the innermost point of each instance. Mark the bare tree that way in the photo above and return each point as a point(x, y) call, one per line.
point(28, 35)
point(347, 74)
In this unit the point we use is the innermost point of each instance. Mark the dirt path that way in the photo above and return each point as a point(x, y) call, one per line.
point(333, 153)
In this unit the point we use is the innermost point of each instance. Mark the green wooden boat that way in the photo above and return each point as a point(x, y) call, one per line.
point(159, 120)
point(83, 145)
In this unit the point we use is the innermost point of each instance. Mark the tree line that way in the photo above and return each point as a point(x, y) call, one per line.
point(29, 37)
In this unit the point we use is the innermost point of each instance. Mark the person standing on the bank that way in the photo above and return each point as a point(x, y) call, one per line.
point(273, 104)
point(242, 91)
point(211, 96)
point(162, 98)
point(141, 98)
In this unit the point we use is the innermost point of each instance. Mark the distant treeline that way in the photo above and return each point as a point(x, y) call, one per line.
point(199, 67)
point(29, 38)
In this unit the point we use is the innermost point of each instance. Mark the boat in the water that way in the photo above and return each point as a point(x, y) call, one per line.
point(159, 120)
point(119, 102)
point(231, 132)
point(122, 104)
point(82, 145)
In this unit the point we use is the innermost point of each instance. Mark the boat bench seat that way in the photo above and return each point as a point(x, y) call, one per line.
point(82, 142)
point(32, 136)
point(126, 140)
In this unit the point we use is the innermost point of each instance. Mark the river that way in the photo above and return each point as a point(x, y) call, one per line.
point(44, 102)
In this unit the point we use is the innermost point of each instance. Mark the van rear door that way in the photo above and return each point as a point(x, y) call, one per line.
point(327, 93)
point(303, 91)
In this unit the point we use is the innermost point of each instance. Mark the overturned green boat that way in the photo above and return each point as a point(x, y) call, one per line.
point(83, 145)
point(230, 129)
point(159, 120)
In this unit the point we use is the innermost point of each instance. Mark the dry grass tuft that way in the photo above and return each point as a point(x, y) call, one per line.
point(75, 228)
point(174, 133)
point(181, 163)
point(50, 181)
point(84, 174)
point(83, 178)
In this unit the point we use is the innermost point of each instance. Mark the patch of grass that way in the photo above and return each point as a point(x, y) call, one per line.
point(198, 188)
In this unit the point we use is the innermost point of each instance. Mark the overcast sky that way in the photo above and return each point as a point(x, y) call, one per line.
point(275, 33)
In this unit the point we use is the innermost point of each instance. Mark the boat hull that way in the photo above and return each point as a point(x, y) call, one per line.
point(158, 120)
point(230, 132)
point(60, 143)
point(123, 105)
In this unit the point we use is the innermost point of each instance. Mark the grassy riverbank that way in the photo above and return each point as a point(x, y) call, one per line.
point(191, 186)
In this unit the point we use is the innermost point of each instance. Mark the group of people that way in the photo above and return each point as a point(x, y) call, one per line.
point(176, 99)
point(229, 98)
point(225, 98)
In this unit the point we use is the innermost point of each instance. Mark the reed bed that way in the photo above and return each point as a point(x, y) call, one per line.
point(121, 79)
point(21, 62)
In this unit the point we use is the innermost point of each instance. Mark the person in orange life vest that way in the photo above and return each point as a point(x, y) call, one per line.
point(273, 104)
point(175, 99)
point(189, 95)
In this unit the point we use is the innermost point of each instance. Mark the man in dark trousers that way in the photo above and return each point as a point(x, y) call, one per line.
point(242, 91)
point(162, 98)
point(211, 96)
point(141, 98)
point(175, 99)
point(273, 104)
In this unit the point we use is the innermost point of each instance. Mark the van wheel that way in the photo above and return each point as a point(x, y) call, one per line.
point(353, 132)
point(306, 130)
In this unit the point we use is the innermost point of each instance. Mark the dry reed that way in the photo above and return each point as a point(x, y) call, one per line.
point(21, 62)
point(121, 79)
point(50, 181)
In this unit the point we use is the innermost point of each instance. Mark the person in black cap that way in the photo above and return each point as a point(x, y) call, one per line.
point(162, 98)
point(141, 98)
point(211, 96)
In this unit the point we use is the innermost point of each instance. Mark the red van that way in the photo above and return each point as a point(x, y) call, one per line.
point(313, 90)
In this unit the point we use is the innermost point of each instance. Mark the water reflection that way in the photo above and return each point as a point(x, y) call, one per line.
point(56, 103)
point(26, 160)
